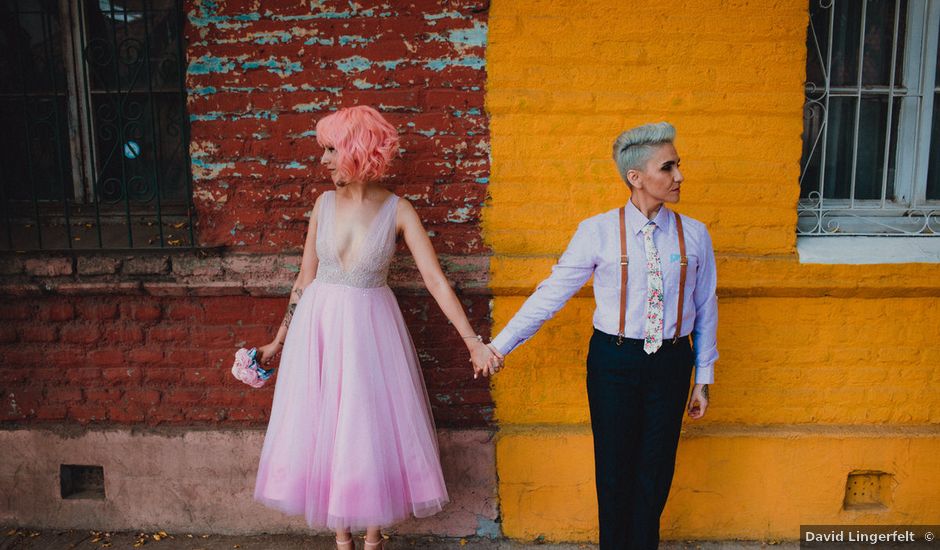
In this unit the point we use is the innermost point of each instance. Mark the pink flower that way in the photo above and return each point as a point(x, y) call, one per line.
point(242, 369)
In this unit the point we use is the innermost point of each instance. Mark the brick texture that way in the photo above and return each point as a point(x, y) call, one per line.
point(155, 360)
point(132, 339)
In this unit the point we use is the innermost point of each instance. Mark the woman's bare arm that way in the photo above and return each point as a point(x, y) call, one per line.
point(308, 272)
point(416, 238)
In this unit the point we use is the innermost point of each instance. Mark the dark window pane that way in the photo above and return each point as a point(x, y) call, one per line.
point(879, 37)
point(35, 161)
point(817, 44)
point(873, 121)
point(812, 146)
point(893, 150)
point(902, 33)
point(840, 135)
point(847, 18)
point(933, 168)
point(132, 55)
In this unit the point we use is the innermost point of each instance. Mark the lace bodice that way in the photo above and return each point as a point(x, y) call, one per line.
point(368, 266)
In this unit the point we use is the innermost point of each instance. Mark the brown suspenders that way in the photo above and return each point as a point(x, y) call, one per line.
point(625, 262)
point(683, 264)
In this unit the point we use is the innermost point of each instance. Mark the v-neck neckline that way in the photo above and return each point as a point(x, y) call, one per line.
point(365, 241)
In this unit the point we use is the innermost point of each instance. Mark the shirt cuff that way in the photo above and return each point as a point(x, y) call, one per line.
point(705, 375)
point(505, 342)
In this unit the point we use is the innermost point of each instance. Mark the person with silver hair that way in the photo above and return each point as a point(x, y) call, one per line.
point(654, 288)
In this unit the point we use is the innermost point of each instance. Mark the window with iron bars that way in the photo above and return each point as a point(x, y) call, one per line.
point(871, 137)
point(94, 141)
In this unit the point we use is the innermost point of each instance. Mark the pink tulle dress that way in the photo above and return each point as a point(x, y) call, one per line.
point(351, 442)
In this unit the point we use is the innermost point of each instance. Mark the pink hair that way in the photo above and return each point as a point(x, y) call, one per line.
point(365, 142)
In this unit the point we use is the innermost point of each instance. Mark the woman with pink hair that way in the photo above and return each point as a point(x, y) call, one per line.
point(351, 443)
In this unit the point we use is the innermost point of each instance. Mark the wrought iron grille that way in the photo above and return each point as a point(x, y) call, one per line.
point(94, 148)
point(871, 137)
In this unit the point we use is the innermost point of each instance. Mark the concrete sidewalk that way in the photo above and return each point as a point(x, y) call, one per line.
point(12, 538)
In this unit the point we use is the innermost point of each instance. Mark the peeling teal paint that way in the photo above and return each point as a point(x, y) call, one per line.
point(410, 108)
point(207, 64)
point(202, 90)
point(282, 67)
point(428, 133)
point(309, 107)
point(294, 165)
point(216, 115)
point(392, 64)
point(363, 85)
point(482, 180)
point(320, 41)
point(355, 40)
point(440, 64)
point(459, 215)
point(321, 15)
point(332, 89)
point(443, 398)
point(274, 37)
point(463, 38)
point(354, 63)
point(469, 37)
point(443, 15)
point(471, 111)
point(211, 165)
point(207, 16)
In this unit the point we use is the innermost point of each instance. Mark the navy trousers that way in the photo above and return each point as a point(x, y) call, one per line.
point(637, 402)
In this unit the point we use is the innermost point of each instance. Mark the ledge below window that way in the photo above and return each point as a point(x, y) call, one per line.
point(868, 250)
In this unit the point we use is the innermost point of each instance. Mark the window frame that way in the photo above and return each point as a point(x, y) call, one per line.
point(79, 127)
point(908, 213)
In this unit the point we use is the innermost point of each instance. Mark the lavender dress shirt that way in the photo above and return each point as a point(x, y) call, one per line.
point(595, 250)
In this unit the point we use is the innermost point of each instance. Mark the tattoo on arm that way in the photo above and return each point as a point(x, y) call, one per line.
point(295, 297)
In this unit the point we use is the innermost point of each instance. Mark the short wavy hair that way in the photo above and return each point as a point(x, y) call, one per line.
point(633, 148)
point(365, 142)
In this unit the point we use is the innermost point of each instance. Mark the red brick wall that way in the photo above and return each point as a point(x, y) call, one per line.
point(149, 339)
point(259, 81)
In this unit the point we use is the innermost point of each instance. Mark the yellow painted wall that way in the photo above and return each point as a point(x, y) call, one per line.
point(824, 369)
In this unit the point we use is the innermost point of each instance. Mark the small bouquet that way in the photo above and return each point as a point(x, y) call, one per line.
point(248, 370)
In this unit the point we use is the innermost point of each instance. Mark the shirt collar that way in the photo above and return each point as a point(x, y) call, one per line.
point(636, 220)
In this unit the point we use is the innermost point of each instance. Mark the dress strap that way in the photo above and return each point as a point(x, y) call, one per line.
point(324, 220)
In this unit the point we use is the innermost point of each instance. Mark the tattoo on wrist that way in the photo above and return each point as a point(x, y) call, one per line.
point(291, 307)
point(705, 391)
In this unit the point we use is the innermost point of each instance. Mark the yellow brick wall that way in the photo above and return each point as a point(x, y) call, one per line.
point(824, 369)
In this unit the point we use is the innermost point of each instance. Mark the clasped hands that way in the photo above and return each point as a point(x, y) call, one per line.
point(486, 359)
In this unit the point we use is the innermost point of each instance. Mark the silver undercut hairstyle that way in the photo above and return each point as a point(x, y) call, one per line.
point(635, 146)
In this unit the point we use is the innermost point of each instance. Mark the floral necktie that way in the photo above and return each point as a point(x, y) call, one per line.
point(653, 332)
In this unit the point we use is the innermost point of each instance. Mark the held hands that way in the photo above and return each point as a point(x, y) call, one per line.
point(486, 359)
point(698, 402)
point(267, 352)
